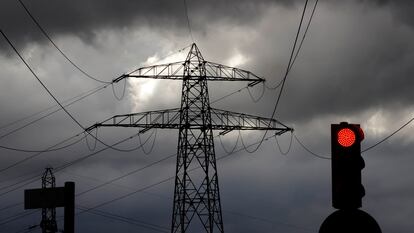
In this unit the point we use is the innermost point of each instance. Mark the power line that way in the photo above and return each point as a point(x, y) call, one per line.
point(300, 46)
point(228, 95)
point(305, 229)
point(304, 34)
point(29, 229)
point(128, 220)
point(54, 45)
point(286, 73)
point(41, 151)
point(48, 91)
point(10, 206)
point(125, 175)
point(73, 100)
point(50, 108)
point(35, 178)
point(30, 180)
point(16, 217)
point(389, 136)
point(158, 183)
point(55, 111)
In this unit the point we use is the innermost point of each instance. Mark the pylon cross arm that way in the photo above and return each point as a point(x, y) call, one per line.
point(170, 119)
point(213, 71)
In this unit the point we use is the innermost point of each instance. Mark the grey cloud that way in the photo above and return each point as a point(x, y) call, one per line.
point(348, 50)
point(84, 18)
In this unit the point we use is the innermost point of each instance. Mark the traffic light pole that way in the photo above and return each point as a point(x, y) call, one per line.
point(347, 188)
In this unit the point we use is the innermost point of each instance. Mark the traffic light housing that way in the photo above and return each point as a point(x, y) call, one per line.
point(347, 163)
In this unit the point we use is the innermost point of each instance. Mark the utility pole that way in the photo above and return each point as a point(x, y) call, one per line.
point(48, 223)
point(196, 206)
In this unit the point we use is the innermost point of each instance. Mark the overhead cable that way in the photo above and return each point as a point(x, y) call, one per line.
point(54, 45)
point(50, 93)
point(285, 76)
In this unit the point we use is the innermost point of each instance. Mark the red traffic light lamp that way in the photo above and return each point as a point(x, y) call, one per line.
point(347, 163)
point(346, 137)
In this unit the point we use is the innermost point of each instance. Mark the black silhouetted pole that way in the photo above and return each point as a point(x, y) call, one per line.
point(196, 194)
point(48, 223)
point(69, 218)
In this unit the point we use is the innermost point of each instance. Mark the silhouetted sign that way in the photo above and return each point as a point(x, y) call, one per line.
point(54, 197)
point(44, 198)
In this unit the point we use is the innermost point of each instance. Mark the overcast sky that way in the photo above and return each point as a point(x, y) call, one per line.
point(355, 65)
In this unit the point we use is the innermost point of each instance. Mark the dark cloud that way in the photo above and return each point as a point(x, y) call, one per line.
point(84, 19)
point(355, 65)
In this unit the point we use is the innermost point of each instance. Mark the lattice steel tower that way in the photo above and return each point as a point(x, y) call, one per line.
point(48, 223)
point(196, 194)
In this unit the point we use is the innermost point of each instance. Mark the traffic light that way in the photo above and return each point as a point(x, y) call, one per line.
point(347, 163)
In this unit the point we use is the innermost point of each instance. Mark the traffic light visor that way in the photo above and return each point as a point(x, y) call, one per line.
point(346, 137)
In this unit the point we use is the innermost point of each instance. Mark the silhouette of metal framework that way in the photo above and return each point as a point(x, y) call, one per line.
point(48, 223)
point(196, 194)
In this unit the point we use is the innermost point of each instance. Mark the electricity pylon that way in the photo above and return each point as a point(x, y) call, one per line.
point(48, 223)
point(196, 191)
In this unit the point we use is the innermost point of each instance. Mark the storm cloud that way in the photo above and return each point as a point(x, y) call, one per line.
point(355, 65)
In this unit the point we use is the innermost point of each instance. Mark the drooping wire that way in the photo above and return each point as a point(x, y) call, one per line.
point(289, 147)
point(309, 151)
point(152, 145)
point(58, 49)
point(93, 147)
point(261, 95)
point(244, 145)
point(123, 91)
point(234, 147)
point(188, 20)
